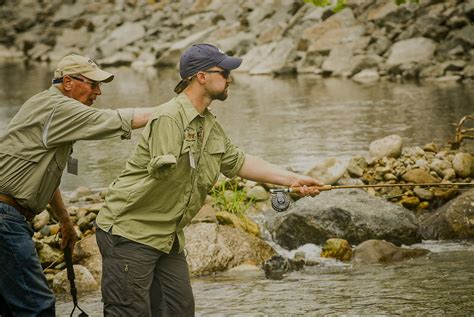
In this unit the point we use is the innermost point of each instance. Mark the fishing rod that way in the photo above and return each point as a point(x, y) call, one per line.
point(281, 201)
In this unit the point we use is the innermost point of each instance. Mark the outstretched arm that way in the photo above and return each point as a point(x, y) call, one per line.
point(141, 117)
point(259, 170)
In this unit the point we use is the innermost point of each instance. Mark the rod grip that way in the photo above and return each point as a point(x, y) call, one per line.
point(320, 188)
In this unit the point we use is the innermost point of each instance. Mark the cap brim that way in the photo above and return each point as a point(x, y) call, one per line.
point(230, 63)
point(99, 75)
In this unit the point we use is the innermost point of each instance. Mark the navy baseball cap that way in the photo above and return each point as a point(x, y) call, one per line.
point(201, 57)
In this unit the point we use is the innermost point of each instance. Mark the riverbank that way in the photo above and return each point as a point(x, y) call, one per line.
point(367, 41)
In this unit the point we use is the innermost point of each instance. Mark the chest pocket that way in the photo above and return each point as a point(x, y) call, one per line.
point(213, 153)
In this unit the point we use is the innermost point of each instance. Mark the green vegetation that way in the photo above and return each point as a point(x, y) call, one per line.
point(341, 4)
point(231, 197)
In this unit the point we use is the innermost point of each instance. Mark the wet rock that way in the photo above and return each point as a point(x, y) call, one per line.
point(352, 215)
point(85, 282)
point(339, 249)
point(410, 202)
point(212, 248)
point(390, 146)
point(454, 220)
point(379, 251)
point(277, 266)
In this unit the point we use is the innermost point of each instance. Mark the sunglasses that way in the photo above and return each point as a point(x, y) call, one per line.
point(94, 84)
point(225, 72)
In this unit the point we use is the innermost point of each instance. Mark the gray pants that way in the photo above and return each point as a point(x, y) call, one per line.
point(138, 280)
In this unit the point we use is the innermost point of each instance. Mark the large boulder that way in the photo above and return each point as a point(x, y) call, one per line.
point(415, 50)
point(85, 282)
point(454, 220)
point(328, 171)
point(379, 251)
point(212, 248)
point(349, 214)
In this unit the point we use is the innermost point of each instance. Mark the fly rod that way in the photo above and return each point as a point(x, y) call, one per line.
point(281, 201)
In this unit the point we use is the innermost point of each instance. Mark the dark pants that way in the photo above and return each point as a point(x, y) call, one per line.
point(23, 287)
point(138, 280)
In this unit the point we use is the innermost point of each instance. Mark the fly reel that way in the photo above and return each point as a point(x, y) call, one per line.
point(280, 201)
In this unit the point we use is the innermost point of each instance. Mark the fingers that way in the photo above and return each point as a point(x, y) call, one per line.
point(308, 191)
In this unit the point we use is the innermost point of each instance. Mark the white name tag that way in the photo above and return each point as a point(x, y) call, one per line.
point(192, 162)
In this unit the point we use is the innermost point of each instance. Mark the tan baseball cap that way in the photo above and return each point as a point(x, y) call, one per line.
point(79, 65)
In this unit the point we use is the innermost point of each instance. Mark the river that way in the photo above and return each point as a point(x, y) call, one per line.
point(294, 122)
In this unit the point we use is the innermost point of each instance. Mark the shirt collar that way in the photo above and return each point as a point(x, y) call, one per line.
point(189, 110)
point(55, 90)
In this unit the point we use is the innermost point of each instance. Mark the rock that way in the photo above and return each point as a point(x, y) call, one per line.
point(417, 50)
point(418, 176)
point(85, 282)
point(356, 166)
point(122, 36)
point(390, 146)
point(329, 170)
point(423, 194)
point(463, 164)
point(431, 147)
point(410, 202)
point(41, 220)
point(48, 255)
point(379, 251)
point(366, 76)
point(257, 193)
point(172, 55)
point(281, 55)
point(277, 266)
point(339, 249)
point(206, 214)
point(338, 61)
point(352, 215)
point(121, 58)
point(241, 221)
point(87, 254)
point(454, 220)
point(212, 248)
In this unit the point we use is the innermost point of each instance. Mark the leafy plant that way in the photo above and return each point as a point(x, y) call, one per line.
point(229, 197)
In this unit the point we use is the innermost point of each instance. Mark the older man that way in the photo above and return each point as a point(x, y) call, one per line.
point(33, 154)
point(179, 157)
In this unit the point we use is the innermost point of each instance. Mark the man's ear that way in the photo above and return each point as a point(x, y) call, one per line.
point(67, 83)
point(201, 78)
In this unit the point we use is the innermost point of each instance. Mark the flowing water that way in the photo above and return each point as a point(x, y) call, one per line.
point(294, 122)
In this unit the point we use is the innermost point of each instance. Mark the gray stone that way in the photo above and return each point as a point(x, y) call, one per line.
point(352, 214)
point(366, 76)
point(85, 282)
point(463, 164)
point(122, 36)
point(454, 220)
point(257, 193)
point(328, 171)
point(390, 146)
point(418, 49)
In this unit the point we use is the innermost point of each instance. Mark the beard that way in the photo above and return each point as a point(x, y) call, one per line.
point(220, 96)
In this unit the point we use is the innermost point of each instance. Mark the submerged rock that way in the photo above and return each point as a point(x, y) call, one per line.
point(379, 251)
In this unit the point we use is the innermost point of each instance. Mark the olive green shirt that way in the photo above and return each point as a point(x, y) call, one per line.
point(39, 139)
point(178, 159)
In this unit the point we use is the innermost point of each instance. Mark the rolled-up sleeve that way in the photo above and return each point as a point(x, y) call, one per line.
point(126, 115)
point(232, 160)
point(164, 141)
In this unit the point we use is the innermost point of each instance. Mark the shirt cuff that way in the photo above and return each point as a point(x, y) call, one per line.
point(238, 165)
point(126, 116)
